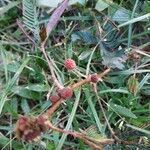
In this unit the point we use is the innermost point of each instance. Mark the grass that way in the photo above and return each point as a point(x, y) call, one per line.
point(95, 42)
point(70, 119)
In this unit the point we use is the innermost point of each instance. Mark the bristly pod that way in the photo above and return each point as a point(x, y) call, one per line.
point(70, 64)
point(65, 93)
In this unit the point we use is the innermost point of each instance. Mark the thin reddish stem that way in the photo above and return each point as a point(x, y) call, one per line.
point(77, 135)
point(52, 109)
point(57, 83)
point(26, 34)
point(88, 79)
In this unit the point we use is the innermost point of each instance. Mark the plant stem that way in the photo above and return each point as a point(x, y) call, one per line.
point(108, 124)
point(87, 80)
point(26, 34)
point(52, 109)
point(78, 135)
point(51, 67)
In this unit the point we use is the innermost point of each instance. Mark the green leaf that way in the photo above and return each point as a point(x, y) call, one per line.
point(47, 3)
point(37, 87)
point(101, 5)
point(122, 110)
point(55, 3)
point(13, 67)
point(23, 92)
point(31, 91)
point(85, 36)
point(45, 106)
point(110, 60)
point(112, 53)
point(121, 15)
point(84, 54)
point(30, 17)
point(72, 2)
point(9, 107)
point(25, 106)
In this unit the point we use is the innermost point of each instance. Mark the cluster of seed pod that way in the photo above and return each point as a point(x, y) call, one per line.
point(30, 128)
point(66, 92)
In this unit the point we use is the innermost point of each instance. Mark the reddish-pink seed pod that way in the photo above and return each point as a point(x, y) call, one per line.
point(94, 78)
point(65, 93)
point(70, 64)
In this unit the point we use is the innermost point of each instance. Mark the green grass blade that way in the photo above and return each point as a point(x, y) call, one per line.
point(129, 72)
point(146, 16)
point(4, 59)
point(130, 25)
point(138, 129)
point(11, 83)
point(89, 61)
point(70, 120)
point(144, 80)
point(114, 91)
point(95, 115)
